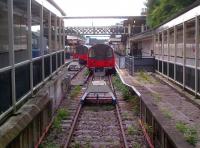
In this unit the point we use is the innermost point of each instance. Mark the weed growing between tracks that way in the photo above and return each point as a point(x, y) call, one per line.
point(190, 133)
point(75, 91)
point(132, 130)
point(86, 73)
point(56, 128)
point(127, 94)
point(62, 114)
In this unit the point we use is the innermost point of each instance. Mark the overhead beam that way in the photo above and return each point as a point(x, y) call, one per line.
point(101, 17)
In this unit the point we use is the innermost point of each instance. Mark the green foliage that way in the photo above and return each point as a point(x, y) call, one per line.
point(149, 128)
point(132, 130)
point(49, 145)
point(61, 114)
point(156, 97)
point(136, 145)
point(144, 77)
point(123, 88)
point(167, 113)
point(86, 73)
point(126, 94)
point(75, 91)
point(76, 145)
point(160, 10)
point(190, 133)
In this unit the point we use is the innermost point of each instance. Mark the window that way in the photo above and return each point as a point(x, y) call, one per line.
point(35, 29)
point(3, 26)
point(4, 56)
point(20, 27)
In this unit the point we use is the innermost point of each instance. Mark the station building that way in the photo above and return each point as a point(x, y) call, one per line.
point(175, 47)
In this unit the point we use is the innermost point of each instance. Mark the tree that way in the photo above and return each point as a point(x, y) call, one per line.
point(161, 10)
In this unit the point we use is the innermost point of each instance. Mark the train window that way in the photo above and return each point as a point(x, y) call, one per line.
point(109, 53)
point(101, 52)
point(81, 50)
point(91, 54)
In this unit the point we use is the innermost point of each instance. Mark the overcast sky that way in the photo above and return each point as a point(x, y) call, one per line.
point(99, 8)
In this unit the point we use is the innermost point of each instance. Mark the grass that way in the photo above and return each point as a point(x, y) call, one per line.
point(86, 73)
point(156, 97)
point(75, 91)
point(131, 130)
point(136, 145)
point(144, 77)
point(127, 94)
point(49, 145)
point(76, 145)
point(61, 114)
point(148, 128)
point(190, 133)
point(167, 113)
point(87, 145)
point(135, 104)
point(125, 115)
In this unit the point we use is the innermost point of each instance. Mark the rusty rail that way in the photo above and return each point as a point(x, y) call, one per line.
point(119, 115)
point(73, 126)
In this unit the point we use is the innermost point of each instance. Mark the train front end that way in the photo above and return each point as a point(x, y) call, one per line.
point(101, 58)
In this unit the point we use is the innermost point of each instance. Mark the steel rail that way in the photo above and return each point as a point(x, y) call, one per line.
point(78, 72)
point(73, 126)
point(76, 117)
point(119, 116)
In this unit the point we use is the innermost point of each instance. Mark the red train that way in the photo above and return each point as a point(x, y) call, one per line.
point(101, 58)
point(81, 53)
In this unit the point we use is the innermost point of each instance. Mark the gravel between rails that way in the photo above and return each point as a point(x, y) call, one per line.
point(97, 127)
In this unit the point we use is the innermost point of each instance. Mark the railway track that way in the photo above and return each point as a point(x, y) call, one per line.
point(97, 125)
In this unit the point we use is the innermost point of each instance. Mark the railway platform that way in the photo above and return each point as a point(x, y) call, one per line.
point(165, 107)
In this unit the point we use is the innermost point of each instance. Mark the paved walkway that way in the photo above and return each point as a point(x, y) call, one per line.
point(164, 100)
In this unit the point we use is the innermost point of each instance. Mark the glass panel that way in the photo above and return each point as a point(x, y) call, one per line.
point(4, 55)
point(46, 32)
point(171, 70)
point(160, 66)
point(171, 45)
point(53, 42)
point(37, 72)
point(20, 30)
point(190, 43)
point(179, 49)
point(47, 66)
point(190, 77)
point(58, 59)
point(160, 46)
point(62, 35)
point(165, 52)
point(58, 34)
point(156, 46)
point(53, 62)
point(35, 28)
point(22, 80)
point(5, 91)
point(179, 73)
point(165, 68)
